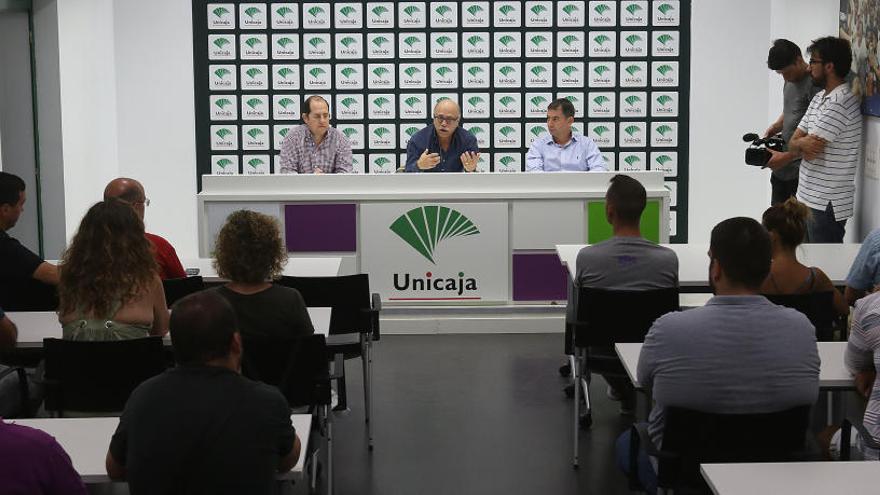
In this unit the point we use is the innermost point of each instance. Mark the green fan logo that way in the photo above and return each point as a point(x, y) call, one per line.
point(348, 72)
point(632, 130)
point(285, 41)
point(252, 12)
point(476, 130)
point(284, 132)
point(286, 102)
point(254, 103)
point(537, 40)
point(348, 41)
point(411, 10)
point(506, 10)
point(285, 71)
point(601, 100)
point(507, 160)
point(506, 70)
point(600, 129)
point(349, 132)
point(379, 41)
point(572, 99)
point(223, 132)
point(633, 8)
point(506, 100)
point(443, 70)
point(474, 9)
point(571, 8)
point(601, 39)
point(220, 11)
point(633, 39)
point(537, 130)
point(473, 71)
point(347, 10)
point(506, 40)
point(255, 162)
point(506, 130)
point(424, 228)
point(224, 162)
point(665, 8)
point(538, 100)
point(380, 71)
point(348, 102)
point(475, 40)
point(221, 42)
point(222, 73)
point(315, 11)
point(411, 40)
point(412, 101)
point(539, 9)
point(632, 69)
point(570, 39)
point(442, 98)
point(381, 161)
point(600, 9)
point(252, 42)
point(223, 102)
point(317, 71)
point(475, 100)
point(253, 72)
point(443, 10)
point(569, 70)
point(632, 159)
point(316, 41)
point(379, 10)
point(664, 100)
point(253, 133)
point(632, 100)
point(410, 131)
point(411, 71)
point(665, 69)
point(283, 11)
point(538, 70)
point(381, 132)
point(443, 40)
point(601, 69)
point(381, 101)
point(665, 38)
point(663, 160)
point(663, 129)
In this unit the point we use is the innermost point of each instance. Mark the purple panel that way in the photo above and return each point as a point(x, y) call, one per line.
point(539, 277)
point(311, 228)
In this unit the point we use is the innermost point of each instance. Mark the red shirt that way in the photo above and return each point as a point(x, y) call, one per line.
point(166, 257)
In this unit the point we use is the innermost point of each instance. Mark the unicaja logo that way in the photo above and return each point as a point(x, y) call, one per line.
point(664, 100)
point(412, 101)
point(349, 132)
point(220, 12)
point(411, 10)
point(443, 10)
point(632, 100)
point(631, 160)
point(426, 227)
point(633, 8)
point(600, 130)
point(600, 9)
point(662, 160)
point(538, 101)
point(475, 9)
point(347, 72)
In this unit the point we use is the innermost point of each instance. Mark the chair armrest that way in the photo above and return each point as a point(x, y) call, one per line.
point(376, 306)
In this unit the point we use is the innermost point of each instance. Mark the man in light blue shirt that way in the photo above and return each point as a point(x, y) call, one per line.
point(560, 149)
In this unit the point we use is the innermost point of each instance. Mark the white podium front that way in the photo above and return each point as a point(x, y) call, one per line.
point(436, 238)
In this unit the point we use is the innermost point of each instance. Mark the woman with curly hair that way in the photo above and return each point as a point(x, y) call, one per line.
point(110, 287)
point(250, 254)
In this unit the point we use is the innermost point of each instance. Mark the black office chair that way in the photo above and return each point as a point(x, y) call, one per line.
point(98, 376)
point(818, 307)
point(31, 295)
point(691, 438)
point(178, 288)
point(299, 368)
point(20, 406)
point(354, 325)
point(846, 430)
point(604, 318)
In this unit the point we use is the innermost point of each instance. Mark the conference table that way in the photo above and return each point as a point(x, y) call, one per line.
point(803, 478)
point(86, 441)
point(324, 266)
point(34, 326)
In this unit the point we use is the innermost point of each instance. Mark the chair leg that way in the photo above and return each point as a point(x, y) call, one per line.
point(329, 440)
point(575, 375)
point(339, 369)
point(368, 388)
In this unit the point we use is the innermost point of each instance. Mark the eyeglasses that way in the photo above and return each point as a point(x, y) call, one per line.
point(446, 118)
point(145, 202)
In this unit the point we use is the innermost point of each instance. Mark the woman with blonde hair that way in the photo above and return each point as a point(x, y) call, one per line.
point(110, 287)
point(787, 225)
point(250, 254)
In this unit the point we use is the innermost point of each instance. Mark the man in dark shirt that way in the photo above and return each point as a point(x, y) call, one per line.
point(202, 428)
point(23, 274)
point(443, 146)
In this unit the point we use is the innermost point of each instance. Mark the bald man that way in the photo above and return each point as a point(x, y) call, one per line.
point(132, 192)
point(443, 146)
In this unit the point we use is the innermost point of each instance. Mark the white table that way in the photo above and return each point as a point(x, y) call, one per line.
point(295, 267)
point(833, 375)
point(34, 326)
point(693, 260)
point(86, 441)
point(803, 478)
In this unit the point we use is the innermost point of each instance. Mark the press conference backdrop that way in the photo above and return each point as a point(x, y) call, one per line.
point(383, 65)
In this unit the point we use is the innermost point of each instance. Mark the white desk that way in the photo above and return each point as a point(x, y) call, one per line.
point(86, 441)
point(693, 260)
point(832, 372)
point(34, 326)
point(803, 478)
point(295, 267)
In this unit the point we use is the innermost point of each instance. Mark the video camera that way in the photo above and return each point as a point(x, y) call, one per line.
point(757, 153)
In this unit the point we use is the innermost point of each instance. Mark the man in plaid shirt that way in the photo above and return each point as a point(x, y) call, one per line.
point(315, 148)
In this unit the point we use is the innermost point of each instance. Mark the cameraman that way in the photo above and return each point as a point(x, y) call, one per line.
point(785, 58)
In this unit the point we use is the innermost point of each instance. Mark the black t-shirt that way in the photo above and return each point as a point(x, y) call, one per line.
point(203, 430)
point(17, 266)
point(278, 312)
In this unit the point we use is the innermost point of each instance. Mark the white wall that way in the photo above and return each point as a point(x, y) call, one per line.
point(869, 191)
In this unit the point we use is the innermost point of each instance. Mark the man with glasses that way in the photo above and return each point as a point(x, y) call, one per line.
point(443, 146)
point(315, 147)
point(829, 138)
point(786, 60)
point(132, 192)
point(561, 149)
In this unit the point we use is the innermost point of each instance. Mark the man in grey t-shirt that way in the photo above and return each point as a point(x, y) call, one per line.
point(627, 261)
point(786, 60)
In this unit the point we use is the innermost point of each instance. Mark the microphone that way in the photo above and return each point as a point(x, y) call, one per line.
point(750, 137)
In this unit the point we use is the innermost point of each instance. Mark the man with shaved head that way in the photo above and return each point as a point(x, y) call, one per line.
point(443, 146)
point(132, 192)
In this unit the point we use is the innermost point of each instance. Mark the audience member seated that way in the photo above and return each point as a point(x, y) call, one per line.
point(8, 332)
point(249, 253)
point(110, 289)
point(132, 192)
point(9, 386)
point(862, 358)
point(738, 354)
point(32, 462)
point(22, 272)
point(787, 225)
point(202, 427)
point(864, 274)
point(626, 261)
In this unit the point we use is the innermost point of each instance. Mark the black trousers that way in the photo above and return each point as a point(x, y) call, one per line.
point(782, 190)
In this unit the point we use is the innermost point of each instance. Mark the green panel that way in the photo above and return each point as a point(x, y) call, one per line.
point(598, 228)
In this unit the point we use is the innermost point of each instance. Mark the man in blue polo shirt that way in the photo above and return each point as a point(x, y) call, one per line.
point(443, 146)
point(561, 149)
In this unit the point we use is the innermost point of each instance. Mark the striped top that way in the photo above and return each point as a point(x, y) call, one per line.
point(863, 354)
point(835, 117)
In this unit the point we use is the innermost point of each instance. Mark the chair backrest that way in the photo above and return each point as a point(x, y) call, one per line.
point(606, 317)
point(297, 366)
point(348, 296)
point(817, 306)
point(700, 437)
point(178, 288)
point(98, 376)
